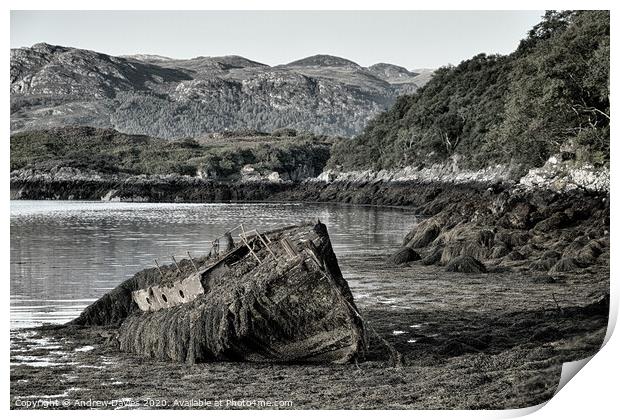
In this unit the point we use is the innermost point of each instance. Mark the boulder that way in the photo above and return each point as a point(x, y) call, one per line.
point(543, 264)
point(556, 221)
point(423, 234)
point(403, 256)
point(433, 257)
point(565, 265)
point(500, 250)
point(515, 256)
point(466, 264)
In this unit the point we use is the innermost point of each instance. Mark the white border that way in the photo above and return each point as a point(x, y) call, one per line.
point(305, 5)
point(593, 394)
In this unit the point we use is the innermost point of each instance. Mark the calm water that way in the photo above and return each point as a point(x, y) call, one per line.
point(66, 254)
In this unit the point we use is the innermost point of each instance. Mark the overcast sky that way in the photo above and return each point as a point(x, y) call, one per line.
point(413, 39)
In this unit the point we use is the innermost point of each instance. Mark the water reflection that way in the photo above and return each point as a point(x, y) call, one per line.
point(65, 254)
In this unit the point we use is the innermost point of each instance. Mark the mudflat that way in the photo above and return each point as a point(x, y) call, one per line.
point(492, 340)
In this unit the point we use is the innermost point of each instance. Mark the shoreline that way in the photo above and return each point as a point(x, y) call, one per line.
point(307, 191)
point(334, 203)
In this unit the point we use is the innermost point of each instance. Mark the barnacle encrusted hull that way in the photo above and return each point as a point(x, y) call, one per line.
point(278, 297)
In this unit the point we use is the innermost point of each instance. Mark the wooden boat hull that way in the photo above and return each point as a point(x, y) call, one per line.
point(279, 297)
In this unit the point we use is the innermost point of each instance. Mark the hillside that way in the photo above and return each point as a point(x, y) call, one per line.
point(218, 156)
point(170, 98)
point(550, 96)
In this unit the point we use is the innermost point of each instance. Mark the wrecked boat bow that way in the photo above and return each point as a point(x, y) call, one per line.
point(277, 296)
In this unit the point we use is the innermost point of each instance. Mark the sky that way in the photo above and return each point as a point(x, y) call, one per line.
point(413, 39)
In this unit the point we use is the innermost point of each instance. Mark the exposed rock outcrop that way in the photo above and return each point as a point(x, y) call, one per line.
point(555, 175)
point(565, 175)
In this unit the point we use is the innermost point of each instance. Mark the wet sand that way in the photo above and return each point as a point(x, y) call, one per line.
point(469, 341)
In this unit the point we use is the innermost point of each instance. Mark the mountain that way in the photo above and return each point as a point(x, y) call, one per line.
point(323, 60)
point(408, 81)
point(391, 72)
point(146, 57)
point(173, 98)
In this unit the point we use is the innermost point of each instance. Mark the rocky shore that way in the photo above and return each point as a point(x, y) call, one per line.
point(538, 232)
point(560, 174)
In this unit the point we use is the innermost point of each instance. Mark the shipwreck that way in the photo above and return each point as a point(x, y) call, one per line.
point(277, 296)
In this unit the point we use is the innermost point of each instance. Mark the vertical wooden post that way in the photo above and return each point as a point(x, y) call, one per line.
point(159, 268)
point(265, 243)
point(175, 263)
point(250, 248)
point(192, 261)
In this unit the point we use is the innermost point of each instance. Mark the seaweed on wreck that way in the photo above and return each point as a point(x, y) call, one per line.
point(278, 296)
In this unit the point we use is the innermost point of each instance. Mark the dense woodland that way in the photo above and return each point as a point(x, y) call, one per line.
point(551, 95)
point(109, 151)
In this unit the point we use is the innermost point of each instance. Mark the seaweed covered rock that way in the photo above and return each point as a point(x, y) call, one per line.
point(403, 256)
point(433, 257)
point(565, 265)
point(553, 222)
point(424, 233)
point(466, 264)
point(543, 264)
point(499, 250)
point(551, 254)
point(529, 250)
point(486, 238)
point(513, 239)
point(575, 246)
point(518, 217)
point(466, 239)
point(589, 253)
point(515, 256)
